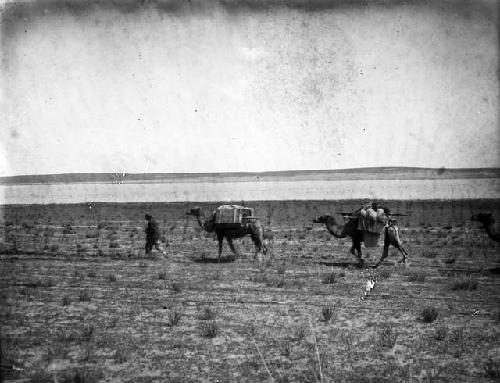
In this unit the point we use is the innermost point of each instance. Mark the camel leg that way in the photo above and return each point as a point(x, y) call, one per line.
point(231, 246)
point(356, 250)
point(220, 239)
point(385, 253)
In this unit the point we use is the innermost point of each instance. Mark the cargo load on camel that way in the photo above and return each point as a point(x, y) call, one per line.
point(232, 215)
point(371, 220)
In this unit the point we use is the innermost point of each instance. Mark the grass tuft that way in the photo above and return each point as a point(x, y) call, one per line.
point(429, 314)
point(173, 318)
point(327, 313)
point(209, 329)
point(387, 336)
point(208, 314)
point(329, 278)
point(162, 275)
point(84, 295)
point(66, 301)
point(492, 368)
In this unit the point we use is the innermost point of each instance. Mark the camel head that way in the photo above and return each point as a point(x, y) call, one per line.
point(485, 218)
point(195, 212)
point(329, 219)
point(322, 219)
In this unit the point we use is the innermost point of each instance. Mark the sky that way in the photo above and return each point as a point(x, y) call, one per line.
point(172, 86)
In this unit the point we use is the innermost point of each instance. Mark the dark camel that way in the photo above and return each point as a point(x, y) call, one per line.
point(339, 228)
point(253, 228)
point(489, 224)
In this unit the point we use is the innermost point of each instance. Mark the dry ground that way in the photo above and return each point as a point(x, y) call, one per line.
point(79, 300)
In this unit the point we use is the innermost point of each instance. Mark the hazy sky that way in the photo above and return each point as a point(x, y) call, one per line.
point(240, 86)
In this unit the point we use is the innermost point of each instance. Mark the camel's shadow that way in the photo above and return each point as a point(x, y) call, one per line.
point(346, 264)
point(212, 260)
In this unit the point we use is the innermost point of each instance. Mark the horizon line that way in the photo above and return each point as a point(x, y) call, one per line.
point(264, 172)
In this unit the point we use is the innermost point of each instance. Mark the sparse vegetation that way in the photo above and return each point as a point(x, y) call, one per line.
point(209, 329)
point(145, 325)
point(84, 295)
point(387, 336)
point(464, 283)
point(174, 317)
point(329, 278)
point(208, 313)
point(429, 314)
point(327, 313)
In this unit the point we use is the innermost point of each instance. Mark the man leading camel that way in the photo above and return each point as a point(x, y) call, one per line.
point(152, 235)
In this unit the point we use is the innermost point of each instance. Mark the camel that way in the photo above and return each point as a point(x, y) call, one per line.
point(339, 228)
point(253, 227)
point(489, 224)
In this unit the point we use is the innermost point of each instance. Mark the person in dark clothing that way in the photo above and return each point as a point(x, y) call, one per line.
point(152, 235)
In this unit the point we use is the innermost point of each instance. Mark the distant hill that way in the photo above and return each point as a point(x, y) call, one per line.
point(402, 173)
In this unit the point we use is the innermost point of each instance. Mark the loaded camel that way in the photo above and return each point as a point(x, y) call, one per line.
point(252, 227)
point(341, 228)
point(492, 228)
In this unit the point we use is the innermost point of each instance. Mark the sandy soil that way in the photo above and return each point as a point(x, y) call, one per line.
point(79, 299)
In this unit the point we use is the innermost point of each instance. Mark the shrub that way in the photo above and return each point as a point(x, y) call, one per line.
point(84, 295)
point(327, 313)
point(387, 336)
point(114, 245)
point(300, 333)
point(209, 329)
point(329, 278)
point(492, 368)
point(465, 283)
point(66, 301)
point(208, 314)
point(87, 333)
point(111, 277)
point(162, 275)
point(429, 314)
point(173, 318)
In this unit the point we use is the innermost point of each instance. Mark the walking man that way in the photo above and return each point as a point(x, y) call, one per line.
point(152, 235)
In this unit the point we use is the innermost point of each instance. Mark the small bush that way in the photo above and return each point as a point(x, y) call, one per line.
point(208, 314)
point(173, 318)
point(327, 313)
point(492, 368)
point(111, 277)
point(84, 295)
point(209, 329)
point(87, 333)
point(300, 333)
point(114, 245)
point(162, 275)
point(66, 301)
point(429, 314)
point(387, 336)
point(329, 278)
point(465, 283)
